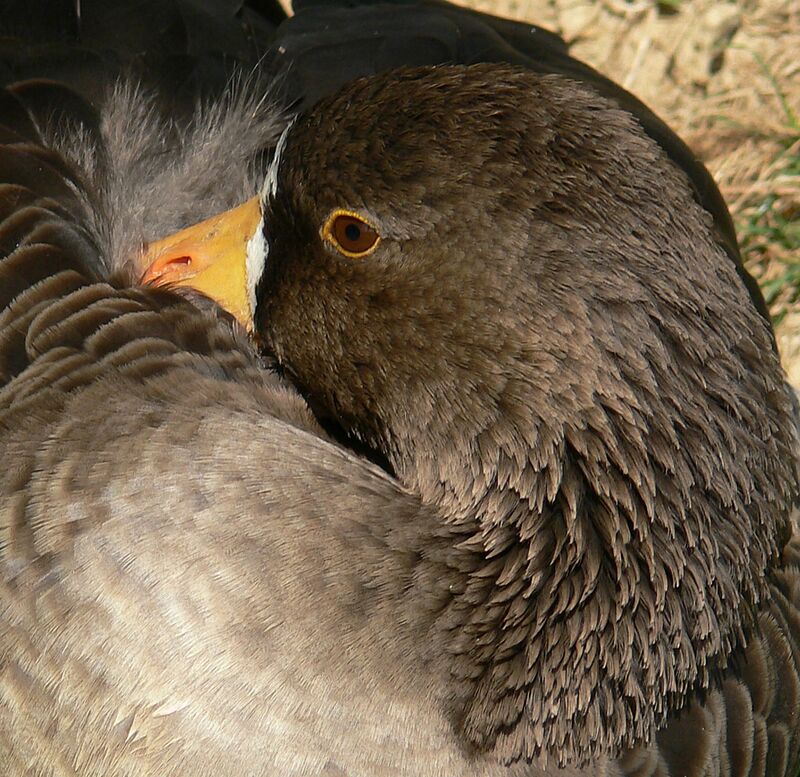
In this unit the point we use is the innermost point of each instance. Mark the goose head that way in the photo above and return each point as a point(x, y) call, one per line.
point(497, 282)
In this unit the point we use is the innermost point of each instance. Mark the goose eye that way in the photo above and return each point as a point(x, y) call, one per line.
point(350, 234)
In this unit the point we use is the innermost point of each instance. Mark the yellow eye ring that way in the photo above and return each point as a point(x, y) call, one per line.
point(350, 234)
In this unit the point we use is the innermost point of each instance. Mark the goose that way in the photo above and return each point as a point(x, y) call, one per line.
point(501, 484)
point(499, 304)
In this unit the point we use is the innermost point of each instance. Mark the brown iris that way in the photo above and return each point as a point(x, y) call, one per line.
point(350, 234)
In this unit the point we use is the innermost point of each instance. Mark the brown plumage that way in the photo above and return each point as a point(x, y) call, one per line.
point(551, 350)
point(584, 555)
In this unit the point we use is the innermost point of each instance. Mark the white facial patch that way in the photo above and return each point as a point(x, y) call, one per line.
point(257, 246)
point(255, 261)
point(271, 179)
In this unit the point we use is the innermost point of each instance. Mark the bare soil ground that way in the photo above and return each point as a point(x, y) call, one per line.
point(726, 76)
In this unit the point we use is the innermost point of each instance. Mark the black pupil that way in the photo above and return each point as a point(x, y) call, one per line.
point(352, 232)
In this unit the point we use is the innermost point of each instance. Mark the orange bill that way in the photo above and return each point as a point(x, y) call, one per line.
point(211, 257)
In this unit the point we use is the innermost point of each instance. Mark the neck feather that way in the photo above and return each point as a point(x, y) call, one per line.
point(608, 560)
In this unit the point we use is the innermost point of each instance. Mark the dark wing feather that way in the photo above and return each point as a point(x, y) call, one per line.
point(184, 50)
